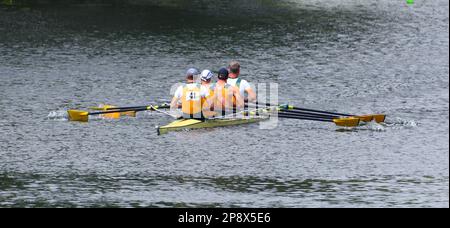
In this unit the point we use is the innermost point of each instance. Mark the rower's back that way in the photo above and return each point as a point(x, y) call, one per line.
point(191, 101)
point(241, 84)
point(245, 89)
point(224, 98)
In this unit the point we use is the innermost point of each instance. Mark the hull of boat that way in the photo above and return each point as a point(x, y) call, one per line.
point(196, 124)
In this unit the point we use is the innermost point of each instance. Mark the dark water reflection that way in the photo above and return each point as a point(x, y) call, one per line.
point(235, 191)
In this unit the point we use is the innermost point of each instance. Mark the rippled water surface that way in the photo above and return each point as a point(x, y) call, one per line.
point(348, 56)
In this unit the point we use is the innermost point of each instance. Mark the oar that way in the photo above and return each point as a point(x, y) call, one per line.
point(113, 115)
point(365, 118)
point(131, 113)
point(163, 106)
point(309, 114)
point(342, 122)
point(379, 118)
point(83, 116)
point(339, 121)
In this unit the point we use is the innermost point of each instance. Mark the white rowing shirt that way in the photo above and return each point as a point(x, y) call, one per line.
point(243, 86)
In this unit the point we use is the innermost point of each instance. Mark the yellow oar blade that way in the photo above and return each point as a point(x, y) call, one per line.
point(347, 122)
point(76, 115)
point(379, 118)
point(365, 118)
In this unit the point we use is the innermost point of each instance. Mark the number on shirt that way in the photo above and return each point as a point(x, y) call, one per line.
point(193, 96)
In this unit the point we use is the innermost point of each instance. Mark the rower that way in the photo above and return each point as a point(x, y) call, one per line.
point(206, 78)
point(207, 88)
point(226, 97)
point(190, 96)
point(244, 87)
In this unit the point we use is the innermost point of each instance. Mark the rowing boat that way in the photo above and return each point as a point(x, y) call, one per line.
point(245, 117)
point(183, 124)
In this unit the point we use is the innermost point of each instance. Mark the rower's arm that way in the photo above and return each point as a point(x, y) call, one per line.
point(174, 104)
point(251, 94)
point(239, 99)
point(207, 109)
point(176, 98)
point(208, 104)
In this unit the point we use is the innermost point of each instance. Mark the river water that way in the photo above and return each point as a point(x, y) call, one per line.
point(348, 56)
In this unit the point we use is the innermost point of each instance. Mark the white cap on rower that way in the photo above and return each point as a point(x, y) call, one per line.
point(207, 75)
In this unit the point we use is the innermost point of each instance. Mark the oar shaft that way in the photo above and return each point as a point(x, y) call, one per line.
point(131, 107)
point(138, 107)
point(119, 110)
point(342, 122)
point(297, 117)
point(127, 109)
point(318, 111)
point(308, 110)
point(303, 113)
point(303, 116)
point(309, 114)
